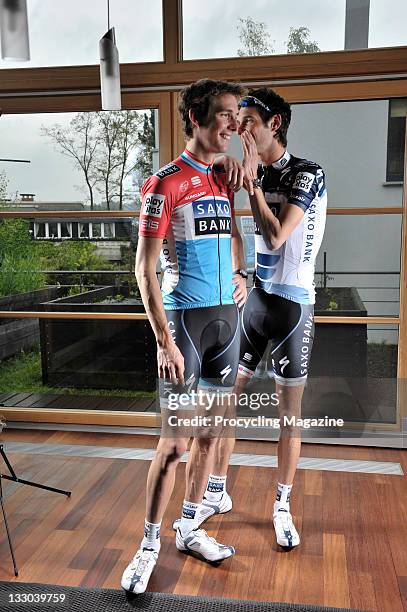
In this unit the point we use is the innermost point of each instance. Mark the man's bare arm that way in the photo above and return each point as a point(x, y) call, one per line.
point(169, 357)
point(274, 231)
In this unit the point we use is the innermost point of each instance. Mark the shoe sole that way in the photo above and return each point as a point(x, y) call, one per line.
point(200, 556)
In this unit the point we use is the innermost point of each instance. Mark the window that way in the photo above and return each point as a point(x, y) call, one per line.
point(52, 230)
point(57, 181)
point(40, 230)
point(74, 36)
point(96, 230)
point(271, 27)
point(396, 140)
point(65, 230)
point(83, 230)
point(108, 229)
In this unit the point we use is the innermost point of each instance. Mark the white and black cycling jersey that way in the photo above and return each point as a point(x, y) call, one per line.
point(289, 270)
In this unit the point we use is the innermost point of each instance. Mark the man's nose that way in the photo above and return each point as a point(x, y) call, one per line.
point(233, 124)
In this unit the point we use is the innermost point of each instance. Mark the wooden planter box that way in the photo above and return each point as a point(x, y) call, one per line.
point(340, 350)
point(17, 335)
point(98, 354)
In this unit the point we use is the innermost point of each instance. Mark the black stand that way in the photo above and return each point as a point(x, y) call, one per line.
point(15, 478)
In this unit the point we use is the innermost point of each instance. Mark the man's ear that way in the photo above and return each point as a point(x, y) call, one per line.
point(192, 118)
point(275, 123)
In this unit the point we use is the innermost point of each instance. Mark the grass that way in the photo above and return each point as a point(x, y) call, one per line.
point(22, 374)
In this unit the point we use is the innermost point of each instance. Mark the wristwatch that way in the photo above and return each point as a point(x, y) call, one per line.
point(256, 183)
point(243, 273)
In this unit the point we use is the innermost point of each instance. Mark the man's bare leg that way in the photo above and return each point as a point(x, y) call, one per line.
point(161, 476)
point(289, 447)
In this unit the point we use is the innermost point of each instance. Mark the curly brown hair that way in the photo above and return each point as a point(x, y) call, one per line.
point(199, 96)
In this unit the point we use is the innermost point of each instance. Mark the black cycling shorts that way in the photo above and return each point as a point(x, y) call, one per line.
point(209, 340)
point(289, 326)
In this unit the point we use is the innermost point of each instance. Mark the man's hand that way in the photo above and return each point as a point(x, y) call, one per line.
point(240, 293)
point(234, 171)
point(170, 363)
point(250, 160)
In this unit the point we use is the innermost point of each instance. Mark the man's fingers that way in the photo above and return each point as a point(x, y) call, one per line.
point(180, 375)
point(240, 178)
point(230, 174)
point(235, 175)
point(172, 373)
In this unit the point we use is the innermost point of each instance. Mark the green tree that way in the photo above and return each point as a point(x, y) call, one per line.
point(3, 187)
point(79, 141)
point(144, 162)
point(16, 258)
point(107, 147)
point(254, 37)
point(299, 41)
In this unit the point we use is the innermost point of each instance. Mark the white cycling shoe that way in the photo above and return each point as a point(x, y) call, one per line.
point(137, 574)
point(286, 534)
point(208, 509)
point(201, 545)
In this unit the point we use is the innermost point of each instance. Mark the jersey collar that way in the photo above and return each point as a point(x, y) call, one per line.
point(194, 162)
point(282, 162)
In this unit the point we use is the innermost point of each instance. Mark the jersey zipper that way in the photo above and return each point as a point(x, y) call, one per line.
point(216, 213)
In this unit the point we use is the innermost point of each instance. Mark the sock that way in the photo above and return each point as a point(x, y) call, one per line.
point(189, 517)
point(151, 538)
point(215, 488)
point(283, 497)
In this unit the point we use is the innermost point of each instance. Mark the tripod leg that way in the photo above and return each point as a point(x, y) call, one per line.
point(8, 532)
point(35, 484)
point(15, 478)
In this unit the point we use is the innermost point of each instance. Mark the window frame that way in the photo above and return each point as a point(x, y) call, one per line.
point(366, 74)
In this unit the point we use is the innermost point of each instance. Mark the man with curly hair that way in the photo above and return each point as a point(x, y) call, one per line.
point(187, 218)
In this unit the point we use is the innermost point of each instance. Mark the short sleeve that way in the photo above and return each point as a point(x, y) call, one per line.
point(156, 208)
point(304, 189)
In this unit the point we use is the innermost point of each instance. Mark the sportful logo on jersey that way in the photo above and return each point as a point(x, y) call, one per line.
point(149, 224)
point(304, 181)
point(153, 204)
point(211, 218)
point(196, 181)
point(167, 171)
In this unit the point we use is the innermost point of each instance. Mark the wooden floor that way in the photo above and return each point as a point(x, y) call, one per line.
point(353, 526)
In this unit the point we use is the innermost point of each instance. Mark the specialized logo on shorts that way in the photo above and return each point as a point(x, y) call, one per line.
point(211, 218)
point(167, 171)
point(149, 224)
point(225, 372)
point(153, 204)
point(284, 362)
point(304, 181)
point(196, 181)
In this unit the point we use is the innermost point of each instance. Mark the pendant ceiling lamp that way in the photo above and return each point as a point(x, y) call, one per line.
point(14, 30)
point(109, 69)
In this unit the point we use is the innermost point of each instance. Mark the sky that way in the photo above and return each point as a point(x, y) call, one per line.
point(64, 34)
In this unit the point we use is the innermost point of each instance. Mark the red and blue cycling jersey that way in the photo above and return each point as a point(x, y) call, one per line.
point(184, 205)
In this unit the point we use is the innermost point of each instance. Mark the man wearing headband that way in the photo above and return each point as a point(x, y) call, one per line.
point(288, 199)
